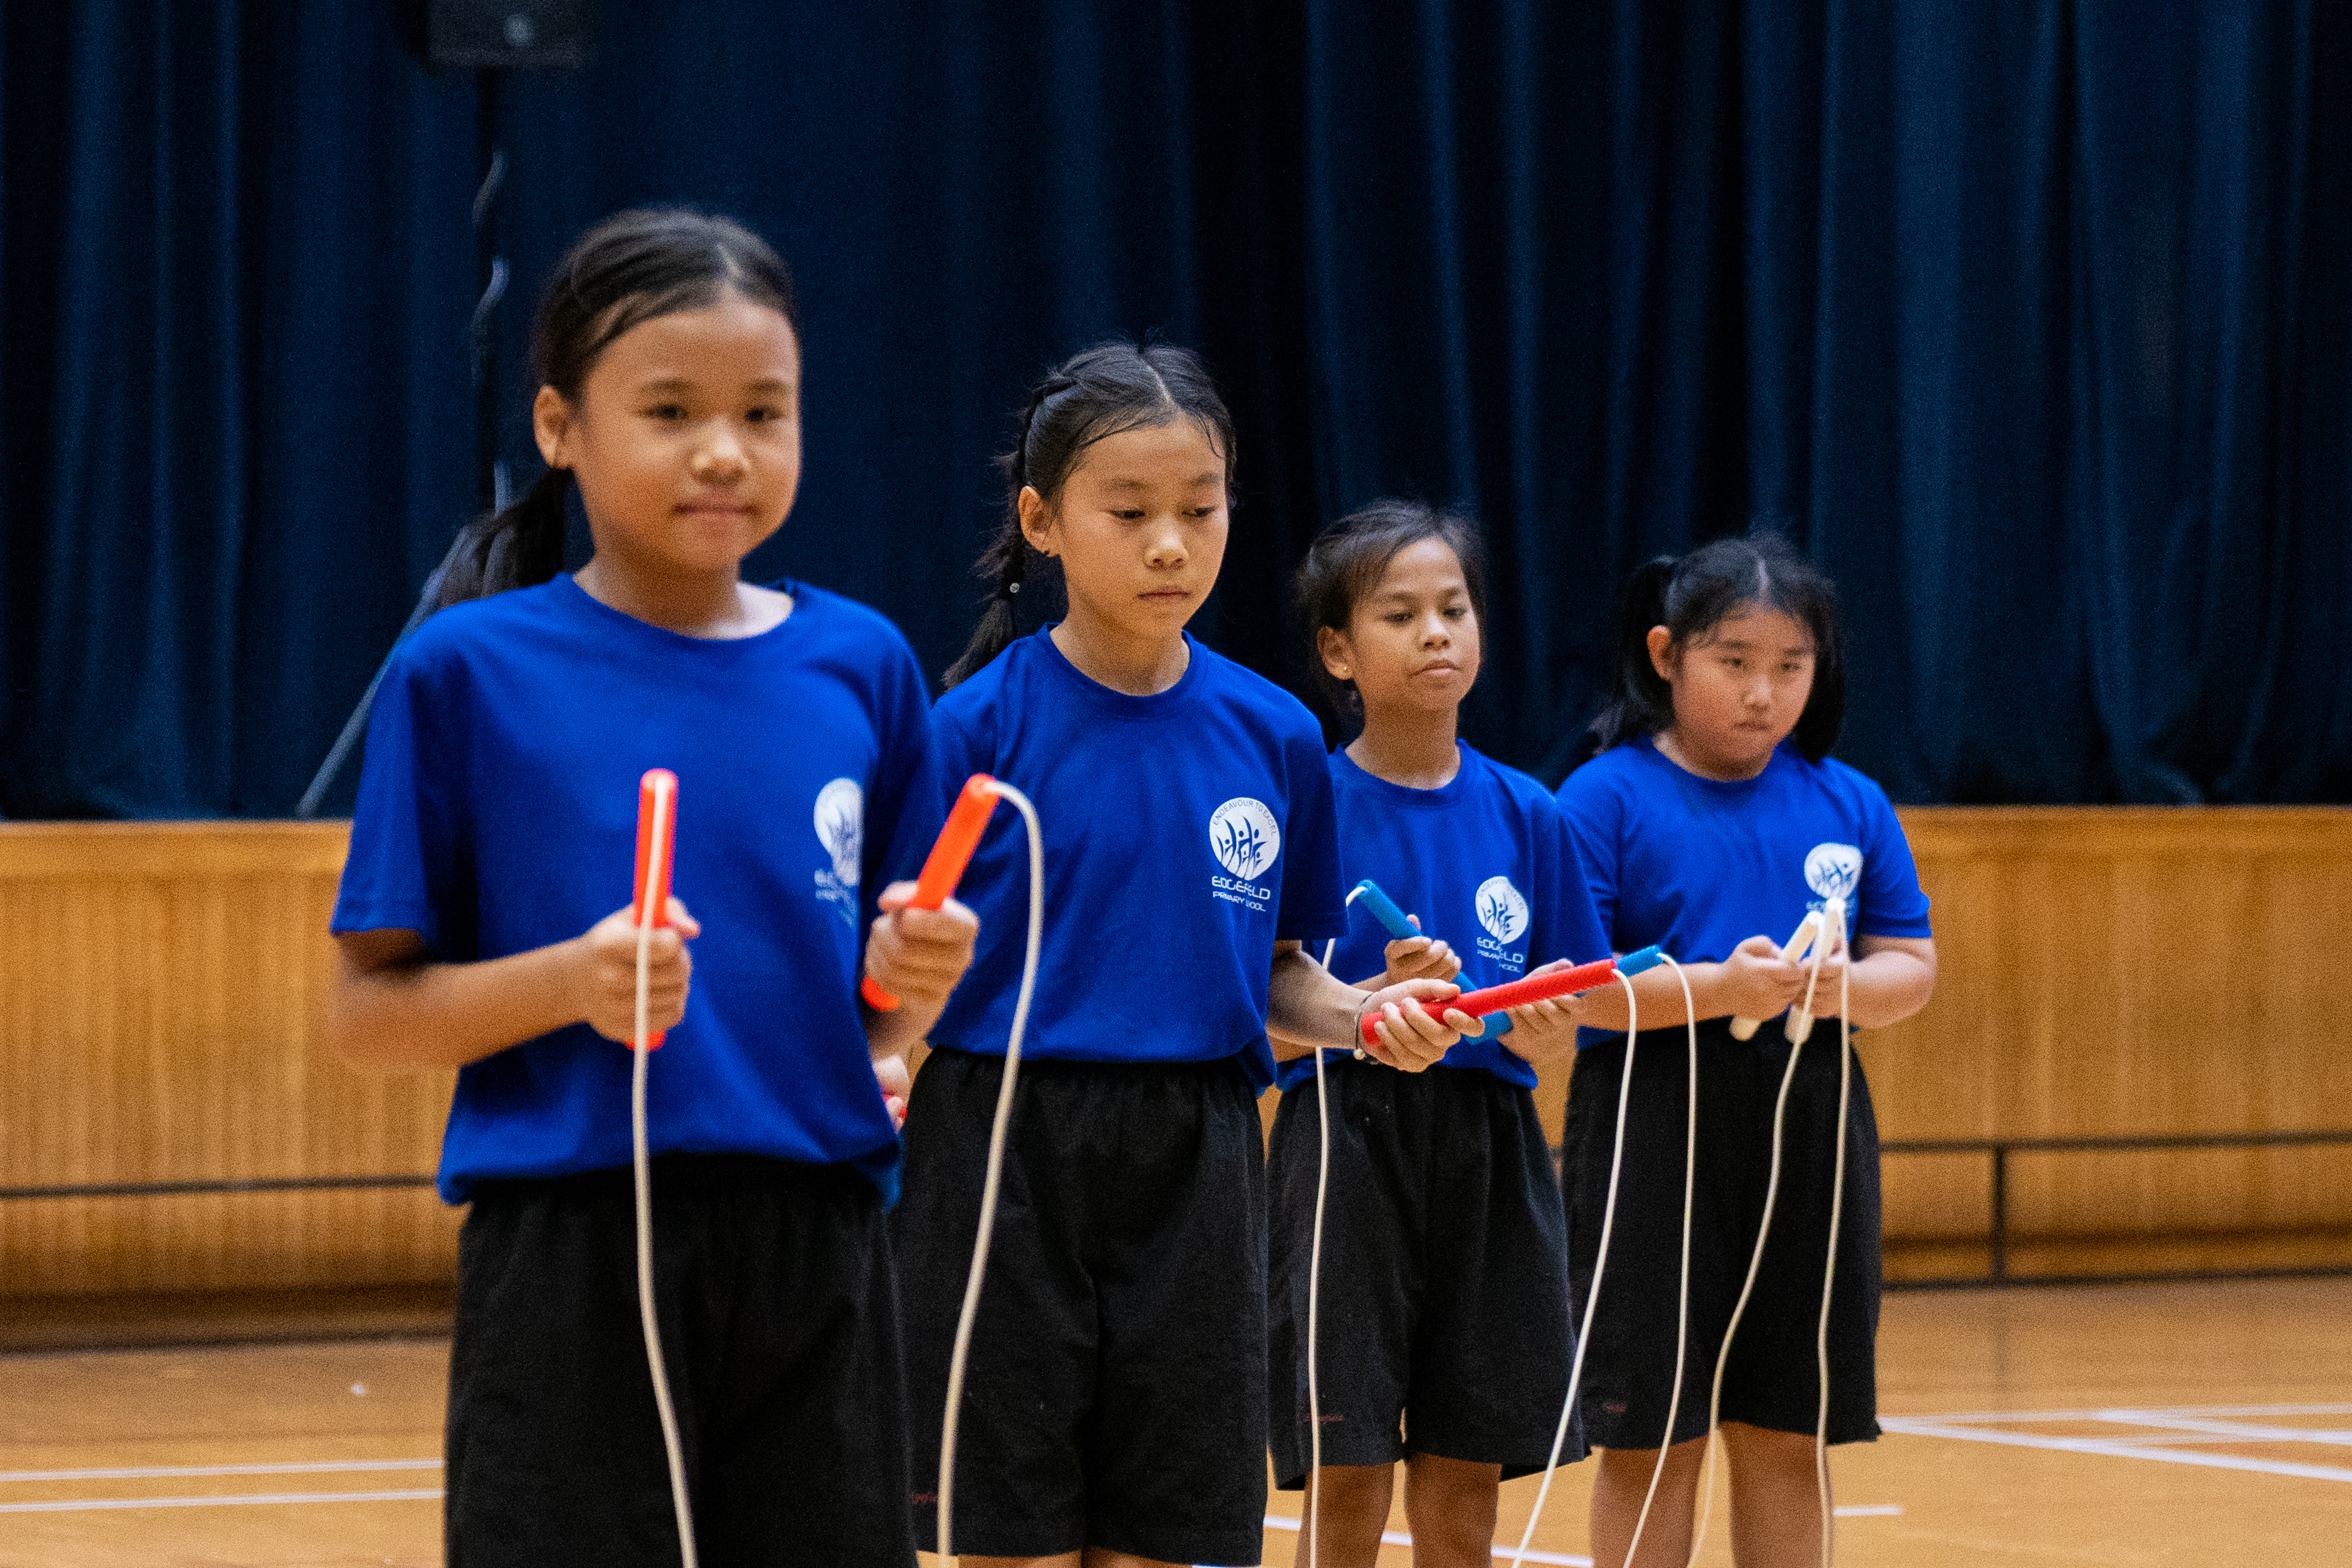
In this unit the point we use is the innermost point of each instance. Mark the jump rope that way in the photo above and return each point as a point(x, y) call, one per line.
point(1484, 1004)
point(656, 829)
point(1821, 931)
point(657, 840)
point(955, 846)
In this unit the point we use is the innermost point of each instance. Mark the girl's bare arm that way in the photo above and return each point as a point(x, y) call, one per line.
point(1307, 1008)
point(395, 1008)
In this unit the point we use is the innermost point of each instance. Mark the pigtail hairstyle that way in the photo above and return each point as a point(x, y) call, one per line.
point(1642, 704)
point(1346, 561)
point(627, 270)
point(1690, 598)
point(1108, 390)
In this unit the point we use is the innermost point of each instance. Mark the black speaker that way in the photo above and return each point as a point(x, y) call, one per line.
point(495, 35)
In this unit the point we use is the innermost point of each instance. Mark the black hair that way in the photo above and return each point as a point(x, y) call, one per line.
point(1690, 598)
point(1346, 561)
point(627, 270)
point(1105, 391)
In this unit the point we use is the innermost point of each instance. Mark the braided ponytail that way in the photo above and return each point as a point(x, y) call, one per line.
point(1005, 561)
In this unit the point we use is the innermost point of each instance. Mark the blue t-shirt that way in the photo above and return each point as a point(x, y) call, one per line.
point(498, 814)
point(1486, 862)
point(1699, 866)
point(1185, 833)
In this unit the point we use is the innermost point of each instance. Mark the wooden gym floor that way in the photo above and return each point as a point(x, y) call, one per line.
point(2137, 1425)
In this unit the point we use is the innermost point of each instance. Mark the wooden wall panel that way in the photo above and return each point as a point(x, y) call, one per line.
point(2104, 972)
point(160, 1001)
point(2127, 971)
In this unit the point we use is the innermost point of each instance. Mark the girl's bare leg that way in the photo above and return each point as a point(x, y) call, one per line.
point(1618, 1488)
point(1776, 1503)
point(1450, 1506)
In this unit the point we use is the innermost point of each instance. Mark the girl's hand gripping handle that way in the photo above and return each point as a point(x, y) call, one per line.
point(1538, 988)
point(1432, 960)
point(944, 868)
point(657, 838)
point(1799, 941)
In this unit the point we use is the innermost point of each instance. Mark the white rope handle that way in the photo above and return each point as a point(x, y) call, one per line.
point(1808, 929)
point(962, 1355)
point(641, 1163)
point(1799, 1024)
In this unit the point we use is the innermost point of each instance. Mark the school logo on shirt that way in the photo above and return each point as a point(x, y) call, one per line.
point(1503, 911)
point(1245, 839)
point(841, 828)
point(1834, 870)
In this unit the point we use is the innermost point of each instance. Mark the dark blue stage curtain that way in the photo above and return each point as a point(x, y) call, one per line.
point(2029, 320)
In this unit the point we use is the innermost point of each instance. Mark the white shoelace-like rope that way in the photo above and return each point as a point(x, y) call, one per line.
point(1833, 936)
point(1583, 1327)
point(961, 1357)
point(1682, 1298)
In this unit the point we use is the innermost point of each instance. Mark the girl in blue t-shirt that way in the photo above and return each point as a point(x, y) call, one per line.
point(1115, 1403)
point(1711, 823)
point(1444, 1335)
point(485, 925)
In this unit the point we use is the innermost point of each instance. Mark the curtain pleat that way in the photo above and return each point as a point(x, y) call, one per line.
point(2027, 321)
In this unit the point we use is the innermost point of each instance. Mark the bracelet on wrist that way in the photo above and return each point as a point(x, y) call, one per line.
point(1356, 1025)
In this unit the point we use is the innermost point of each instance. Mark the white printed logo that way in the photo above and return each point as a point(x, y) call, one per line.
point(1834, 870)
point(841, 827)
point(1244, 837)
point(1501, 910)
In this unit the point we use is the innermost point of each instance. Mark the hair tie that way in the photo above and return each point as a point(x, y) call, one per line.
point(1016, 566)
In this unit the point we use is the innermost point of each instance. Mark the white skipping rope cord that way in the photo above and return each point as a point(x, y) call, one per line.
point(996, 1139)
point(656, 877)
point(1830, 932)
point(1600, 1266)
point(1837, 1204)
point(1314, 1525)
point(1682, 1298)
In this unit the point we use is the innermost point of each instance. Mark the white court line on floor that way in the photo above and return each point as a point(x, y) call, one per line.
point(150, 1472)
point(2167, 1410)
point(1974, 1428)
point(2235, 1431)
point(2253, 1409)
point(2150, 1435)
point(124, 1504)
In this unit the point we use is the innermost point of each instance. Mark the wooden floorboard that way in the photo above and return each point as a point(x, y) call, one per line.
point(2186, 1406)
point(161, 1318)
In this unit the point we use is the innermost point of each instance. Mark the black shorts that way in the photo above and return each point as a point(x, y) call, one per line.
point(1116, 1391)
point(1444, 1293)
point(1772, 1380)
point(779, 1318)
